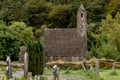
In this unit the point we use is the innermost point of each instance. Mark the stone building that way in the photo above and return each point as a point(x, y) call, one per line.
point(69, 44)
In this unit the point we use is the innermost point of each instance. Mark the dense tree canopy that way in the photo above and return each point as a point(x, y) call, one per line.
point(105, 41)
point(12, 37)
point(23, 20)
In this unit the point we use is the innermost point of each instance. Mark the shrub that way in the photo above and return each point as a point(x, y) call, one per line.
point(9, 42)
point(36, 57)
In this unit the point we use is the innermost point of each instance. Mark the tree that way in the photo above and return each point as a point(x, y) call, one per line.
point(112, 7)
point(11, 37)
point(23, 31)
point(59, 16)
point(38, 12)
point(13, 10)
point(107, 40)
point(36, 57)
point(9, 43)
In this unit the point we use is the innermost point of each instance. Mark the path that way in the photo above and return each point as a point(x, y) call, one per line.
point(50, 77)
point(18, 74)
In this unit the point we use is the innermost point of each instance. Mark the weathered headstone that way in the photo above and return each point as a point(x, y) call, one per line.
point(51, 58)
point(73, 59)
point(1, 77)
point(97, 68)
point(29, 75)
point(77, 58)
point(84, 64)
point(91, 69)
point(56, 71)
point(22, 53)
point(37, 77)
point(67, 70)
point(25, 64)
point(8, 68)
point(64, 58)
point(113, 67)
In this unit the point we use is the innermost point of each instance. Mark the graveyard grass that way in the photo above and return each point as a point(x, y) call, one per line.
point(2, 70)
point(105, 74)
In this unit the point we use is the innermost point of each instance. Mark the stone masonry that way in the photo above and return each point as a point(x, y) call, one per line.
point(70, 43)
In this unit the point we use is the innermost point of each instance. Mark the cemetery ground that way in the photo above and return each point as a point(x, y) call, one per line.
point(105, 74)
point(79, 74)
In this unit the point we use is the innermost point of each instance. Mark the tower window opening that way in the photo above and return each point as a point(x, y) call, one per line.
point(81, 15)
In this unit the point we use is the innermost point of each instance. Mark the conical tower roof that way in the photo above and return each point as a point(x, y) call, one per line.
point(81, 8)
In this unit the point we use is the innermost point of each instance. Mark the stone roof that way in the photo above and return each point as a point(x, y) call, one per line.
point(63, 42)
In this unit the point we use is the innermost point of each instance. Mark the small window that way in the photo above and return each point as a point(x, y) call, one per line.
point(81, 15)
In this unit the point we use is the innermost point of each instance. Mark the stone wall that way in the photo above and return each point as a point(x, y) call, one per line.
point(63, 43)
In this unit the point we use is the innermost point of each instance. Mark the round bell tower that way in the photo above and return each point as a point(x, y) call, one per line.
point(81, 21)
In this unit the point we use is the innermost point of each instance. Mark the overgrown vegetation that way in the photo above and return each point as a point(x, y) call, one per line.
point(25, 20)
point(11, 37)
point(36, 58)
point(104, 74)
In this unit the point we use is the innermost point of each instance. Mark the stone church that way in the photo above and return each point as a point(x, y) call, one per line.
point(69, 44)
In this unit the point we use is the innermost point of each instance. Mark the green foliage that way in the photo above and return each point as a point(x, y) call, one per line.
point(92, 33)
point(39, 32)
point(94, 8)
point(9, 44)
point(23, 31)
point(38, 12)
point(113, 7)
point(59, 16)
point(103, 36)
point(13, 10)
point(36, 57)
point(106, 39)
point(11, 37)
point(111, 27)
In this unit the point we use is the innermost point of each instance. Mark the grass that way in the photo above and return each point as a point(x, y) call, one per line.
point(72, 74)
point(108, 75)
point(105, 74)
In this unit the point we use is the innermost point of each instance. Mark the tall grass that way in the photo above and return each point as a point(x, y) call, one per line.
point(105, 74)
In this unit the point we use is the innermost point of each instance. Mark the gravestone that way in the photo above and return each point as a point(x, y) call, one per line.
point(75, 59)
point(113, 67)
point(37, 77)
point(56, 71)
point(67, 70)
point(1, 77)
point(22, 53)
point(8, 68)
point(91, 69)
point(25, 64)
point(97, 68)
point(29, 75)
point(51, 58)
point(84, 64)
